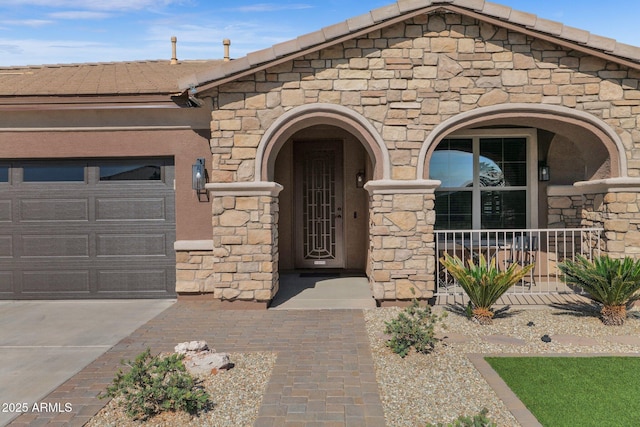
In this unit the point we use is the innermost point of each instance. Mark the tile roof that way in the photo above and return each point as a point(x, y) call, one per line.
point(626, 53)
point(98, 79)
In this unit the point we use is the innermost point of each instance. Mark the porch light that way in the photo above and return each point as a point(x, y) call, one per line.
point(360, 179)
point(198, 178)
point(543, 172)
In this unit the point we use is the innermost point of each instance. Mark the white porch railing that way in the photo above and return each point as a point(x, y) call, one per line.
point(544, 247)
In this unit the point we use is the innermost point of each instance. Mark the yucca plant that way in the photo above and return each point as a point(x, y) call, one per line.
point(483, 282)
point(611, 282)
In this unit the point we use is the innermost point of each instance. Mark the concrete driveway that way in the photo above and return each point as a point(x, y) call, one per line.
point(43, 343)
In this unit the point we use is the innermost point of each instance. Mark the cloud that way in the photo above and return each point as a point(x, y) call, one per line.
point(27, 22)
point(270, 7)
point(111, 5)
point(79, 15)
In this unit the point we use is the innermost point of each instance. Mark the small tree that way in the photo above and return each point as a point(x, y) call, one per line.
point(483, 282)
point(611, 282)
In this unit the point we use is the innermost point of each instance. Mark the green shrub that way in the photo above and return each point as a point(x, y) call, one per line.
point(155, 384)
point(483, 282)
point(479, 420)
point(612, 282)
point(414, 327)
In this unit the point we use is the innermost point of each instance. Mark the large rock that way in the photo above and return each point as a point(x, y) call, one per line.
point(200, 360)
point(191, 347)
point(206, 363)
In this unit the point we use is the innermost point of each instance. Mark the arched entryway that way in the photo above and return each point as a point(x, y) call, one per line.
point(322, 155)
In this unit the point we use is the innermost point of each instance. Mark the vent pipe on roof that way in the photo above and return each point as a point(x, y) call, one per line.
point(174, 57)
point(226, 43)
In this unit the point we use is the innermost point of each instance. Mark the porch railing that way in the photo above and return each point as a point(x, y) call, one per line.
point(544, 247)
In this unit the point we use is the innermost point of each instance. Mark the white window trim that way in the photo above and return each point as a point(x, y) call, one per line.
point(530, 134)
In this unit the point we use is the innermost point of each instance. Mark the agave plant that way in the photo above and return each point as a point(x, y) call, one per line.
point(611, 282)
point(483, 282)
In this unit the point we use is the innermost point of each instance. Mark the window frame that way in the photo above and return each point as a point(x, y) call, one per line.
point(531, 187)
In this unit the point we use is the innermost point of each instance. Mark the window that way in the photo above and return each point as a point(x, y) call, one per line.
point(4, 173)
point(53, 173)
point(130, 171)
point(486, 181)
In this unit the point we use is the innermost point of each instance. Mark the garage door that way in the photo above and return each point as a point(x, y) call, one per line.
point(87, 229)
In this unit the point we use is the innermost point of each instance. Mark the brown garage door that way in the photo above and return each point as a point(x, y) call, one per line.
point(87, 229)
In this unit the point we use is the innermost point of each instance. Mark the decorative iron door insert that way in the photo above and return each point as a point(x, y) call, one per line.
point(319, 231)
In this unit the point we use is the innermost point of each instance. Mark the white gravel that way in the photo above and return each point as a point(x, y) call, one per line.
point(443, 385)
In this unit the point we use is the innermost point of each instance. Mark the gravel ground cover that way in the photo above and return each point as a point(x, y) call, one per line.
point(442, 385)
point(236, 394)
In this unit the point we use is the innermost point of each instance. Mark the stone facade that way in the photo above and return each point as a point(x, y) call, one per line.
point(402, 247)
point(406, 80)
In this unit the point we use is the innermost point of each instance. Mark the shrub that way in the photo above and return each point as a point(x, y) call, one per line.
point(157, 384)
point(479, 420)
point(414, 327)
point(483, 282)
point(612, 282)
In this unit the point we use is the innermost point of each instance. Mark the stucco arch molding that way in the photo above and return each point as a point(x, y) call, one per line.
point(320, 114)
point(475, 118)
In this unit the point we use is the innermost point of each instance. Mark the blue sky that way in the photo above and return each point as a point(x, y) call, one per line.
point(67, 31)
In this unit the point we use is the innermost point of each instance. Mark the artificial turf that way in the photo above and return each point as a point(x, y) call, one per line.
point(575, 391)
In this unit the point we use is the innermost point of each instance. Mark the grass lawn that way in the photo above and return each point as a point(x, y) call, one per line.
point(575, 391)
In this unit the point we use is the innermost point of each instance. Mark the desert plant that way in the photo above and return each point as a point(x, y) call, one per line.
point(478, 420)
point(155, 384)
point(611, 282)
point(483, 282)
point(414, 327)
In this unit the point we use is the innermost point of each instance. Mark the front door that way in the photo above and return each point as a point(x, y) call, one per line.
point(318, 204)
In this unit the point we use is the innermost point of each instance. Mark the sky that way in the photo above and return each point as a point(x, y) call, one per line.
point(36, 32)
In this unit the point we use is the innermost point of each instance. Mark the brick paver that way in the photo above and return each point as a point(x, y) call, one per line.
point(324, 373)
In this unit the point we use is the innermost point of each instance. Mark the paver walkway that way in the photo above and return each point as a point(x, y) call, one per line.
point(324, 373)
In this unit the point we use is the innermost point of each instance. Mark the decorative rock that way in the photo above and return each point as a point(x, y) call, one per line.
point(191, 347)
point(546, 338)
point(205, 363)
point(200, 360)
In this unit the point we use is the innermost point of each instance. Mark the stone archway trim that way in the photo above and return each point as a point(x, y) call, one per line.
point(314, 114)
point(605, 133)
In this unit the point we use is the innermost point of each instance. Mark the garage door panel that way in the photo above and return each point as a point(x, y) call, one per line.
point(5, 210)
point(54, 210)
point(6, 282)
point(56, 281)
point(55, 246)
point(6, 246)
point(118, 209)
point(132, 281)
point(141, 245)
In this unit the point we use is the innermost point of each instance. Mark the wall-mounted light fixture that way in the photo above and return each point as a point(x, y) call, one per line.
point(544, 173)
point(198, 177)
point(360, 179)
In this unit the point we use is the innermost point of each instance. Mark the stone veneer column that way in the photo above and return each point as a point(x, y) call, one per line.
point(613, 204)
point(245, 240)
point(402, 245)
